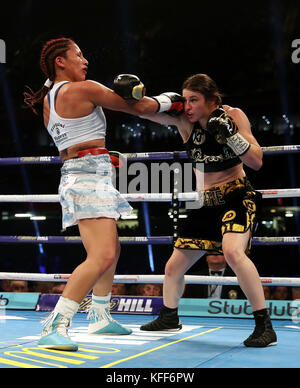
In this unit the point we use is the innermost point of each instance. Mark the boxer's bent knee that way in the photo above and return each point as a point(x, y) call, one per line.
point(233, 254)
point(173, 271)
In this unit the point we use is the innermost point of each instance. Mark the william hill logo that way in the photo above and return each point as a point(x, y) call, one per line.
point(132, 305)
point(128, 305)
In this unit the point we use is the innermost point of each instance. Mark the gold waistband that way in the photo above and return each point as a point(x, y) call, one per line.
point(217, 195)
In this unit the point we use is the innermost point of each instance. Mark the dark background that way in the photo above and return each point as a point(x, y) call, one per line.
point(246, 47)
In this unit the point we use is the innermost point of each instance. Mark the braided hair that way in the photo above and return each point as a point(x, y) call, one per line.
point(51, 50)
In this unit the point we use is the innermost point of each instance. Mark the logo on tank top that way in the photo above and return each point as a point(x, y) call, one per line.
point(199, 136)
point(57, 132)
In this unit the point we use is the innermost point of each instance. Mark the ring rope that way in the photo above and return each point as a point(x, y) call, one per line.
point(159, 240)
point(273, 150)
point(189, 279)
point(137, 279)
point(149, 197)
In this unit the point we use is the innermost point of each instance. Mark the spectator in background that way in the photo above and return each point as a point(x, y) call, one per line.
point(295, 293)
point(132, 289)
point(19, 286)
point(281, 293)
point(5, 285)
point(15, 286)
point(119, 289)
point(216, 266)
point(150, 289)
point(267, 292)
point(48, 287)
point(57, 288)
point(42, 287)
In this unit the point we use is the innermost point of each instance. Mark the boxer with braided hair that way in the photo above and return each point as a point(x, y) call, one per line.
point(51, 50)
point(73, 116)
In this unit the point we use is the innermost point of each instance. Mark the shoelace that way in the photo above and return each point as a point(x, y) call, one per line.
point(60, 326)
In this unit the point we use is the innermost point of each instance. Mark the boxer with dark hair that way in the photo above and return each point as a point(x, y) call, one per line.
point(218, 137)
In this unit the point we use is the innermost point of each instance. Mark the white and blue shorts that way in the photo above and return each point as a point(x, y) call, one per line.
point(86, 190)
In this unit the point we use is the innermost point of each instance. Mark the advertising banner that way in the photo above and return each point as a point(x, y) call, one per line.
point(18, 300)
point(235, 308)
point(118, 304)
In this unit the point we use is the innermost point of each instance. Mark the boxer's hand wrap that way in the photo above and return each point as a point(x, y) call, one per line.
point(129, 87)
point(225, 131)
point(170, 103)
point(238, 144)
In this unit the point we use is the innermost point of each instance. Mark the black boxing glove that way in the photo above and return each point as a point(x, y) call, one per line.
point(170, 103)
point(129, 87)
point(225, 131)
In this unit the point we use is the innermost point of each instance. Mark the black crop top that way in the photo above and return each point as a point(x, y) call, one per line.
point(202, 147)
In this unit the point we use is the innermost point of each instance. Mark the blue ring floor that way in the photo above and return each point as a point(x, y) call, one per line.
point(202, 343)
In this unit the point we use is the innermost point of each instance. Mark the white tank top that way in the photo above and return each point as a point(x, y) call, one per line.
point(68, 132)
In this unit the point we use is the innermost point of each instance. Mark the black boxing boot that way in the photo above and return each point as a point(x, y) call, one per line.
point(167, 320)
point(264, 334)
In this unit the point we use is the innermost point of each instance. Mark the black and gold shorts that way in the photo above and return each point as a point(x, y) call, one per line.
point(232, 207)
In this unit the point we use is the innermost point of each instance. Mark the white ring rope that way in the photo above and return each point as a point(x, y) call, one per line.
point(152, 197)
point(137, 279)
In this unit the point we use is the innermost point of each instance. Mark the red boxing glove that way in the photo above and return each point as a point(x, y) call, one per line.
point(170, 103)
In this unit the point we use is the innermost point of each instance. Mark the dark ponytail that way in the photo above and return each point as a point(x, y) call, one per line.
point(32, 98)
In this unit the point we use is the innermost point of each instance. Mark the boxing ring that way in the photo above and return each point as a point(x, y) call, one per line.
point(204, 341)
